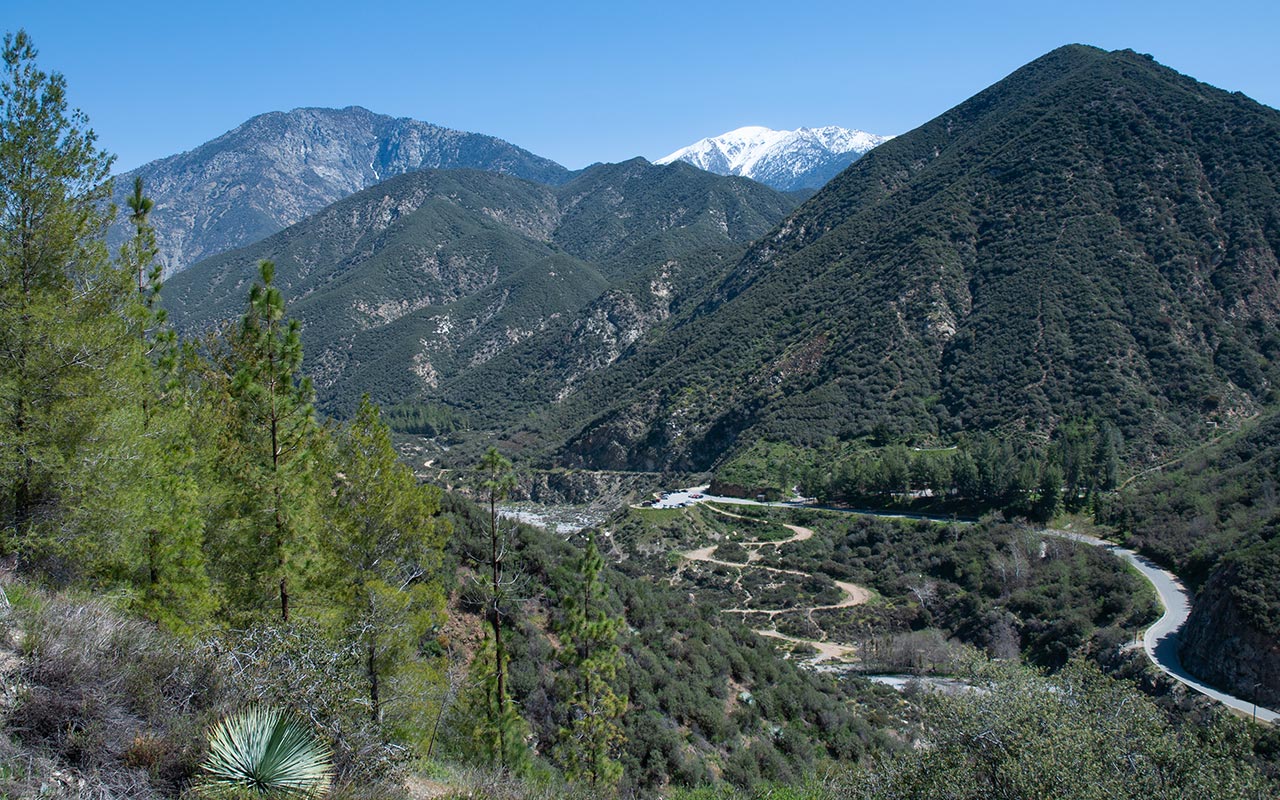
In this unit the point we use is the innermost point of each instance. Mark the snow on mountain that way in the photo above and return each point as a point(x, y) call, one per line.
point(785, 160)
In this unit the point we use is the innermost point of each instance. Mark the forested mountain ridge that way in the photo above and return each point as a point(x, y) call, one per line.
point(279, 167)
point(205, 585)
point(431, 274)
point(1094, 236)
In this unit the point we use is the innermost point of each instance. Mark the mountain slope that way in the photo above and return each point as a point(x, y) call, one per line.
point(786, 160)
point(1215, 519)
point(279, 167)
point(1094, 236)
point(412, 283)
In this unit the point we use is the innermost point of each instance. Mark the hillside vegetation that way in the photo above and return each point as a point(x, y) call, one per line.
point(405, 288)
point(187, 545)
point(245, 552)
point(1093, 237)
point(1001, 587)
point(1214, 518)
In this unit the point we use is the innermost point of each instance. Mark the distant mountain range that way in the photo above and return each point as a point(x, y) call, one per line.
point(405, 287)
point(1093, 238)
point(278, 168)
point(805, 158)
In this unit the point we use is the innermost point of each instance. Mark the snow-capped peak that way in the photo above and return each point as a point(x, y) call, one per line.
point(782, 159)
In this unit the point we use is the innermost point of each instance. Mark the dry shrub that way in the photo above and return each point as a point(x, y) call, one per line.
point(117, 705)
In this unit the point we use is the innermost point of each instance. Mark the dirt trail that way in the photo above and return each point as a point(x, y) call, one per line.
point(854, 595)
point(798, 534)
point(826, 650)
point(704, 554)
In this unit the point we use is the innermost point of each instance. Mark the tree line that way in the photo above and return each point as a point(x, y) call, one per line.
point(1079, 462)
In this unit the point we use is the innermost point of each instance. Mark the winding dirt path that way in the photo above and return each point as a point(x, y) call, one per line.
point(798, 534)
point(854, 595)
point(704, 554)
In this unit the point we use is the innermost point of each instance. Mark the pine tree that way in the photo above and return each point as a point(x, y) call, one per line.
point(163, 498)
point(142, 252)
point(1049, 494)
point(383, 547)
point(268, 450)
point(588, 744)
point(490, 728)
point(964, 475)
point(63, 304)
point(1106, 457)
point(499, 736)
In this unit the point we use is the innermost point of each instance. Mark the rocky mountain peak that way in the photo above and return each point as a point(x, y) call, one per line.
point(279, 167)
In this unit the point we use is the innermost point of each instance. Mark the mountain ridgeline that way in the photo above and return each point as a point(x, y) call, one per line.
point(1073, 270)
point(408, 284)
point(1094, 236)
point(280, 167)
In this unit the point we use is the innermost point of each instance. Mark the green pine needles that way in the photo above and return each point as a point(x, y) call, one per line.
point(589, 742)
point(273, 434)
point(264, 752)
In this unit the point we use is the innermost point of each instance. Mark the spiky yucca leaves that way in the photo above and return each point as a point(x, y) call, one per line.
point(263, 751)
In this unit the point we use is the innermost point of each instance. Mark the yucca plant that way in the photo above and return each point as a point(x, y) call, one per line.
point(264, 752)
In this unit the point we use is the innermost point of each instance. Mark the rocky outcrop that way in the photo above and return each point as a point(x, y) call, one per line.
point(1221, 645)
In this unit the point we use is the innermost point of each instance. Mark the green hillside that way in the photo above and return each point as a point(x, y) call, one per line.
point(635, 214)
point(536, 374)
point(405, 286)
point(1093, 237)
point(430, 234)
point(210, 588)
point(1214, 519)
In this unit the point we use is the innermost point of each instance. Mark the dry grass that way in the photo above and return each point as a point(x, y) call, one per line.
point(99, 706)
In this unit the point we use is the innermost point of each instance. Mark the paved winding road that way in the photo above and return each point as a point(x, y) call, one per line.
point(1161, 639)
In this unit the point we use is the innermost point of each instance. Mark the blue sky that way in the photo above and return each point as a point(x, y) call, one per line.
point(601, 81)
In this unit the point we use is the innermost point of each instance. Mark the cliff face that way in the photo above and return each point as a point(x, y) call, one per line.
point(1223, 645)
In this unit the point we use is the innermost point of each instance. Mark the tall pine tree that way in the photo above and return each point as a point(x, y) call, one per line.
point(160, 503)
point(591, 738)
point(62, 301)
point(383, 548)
point(497, 730)
point(268, 453)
